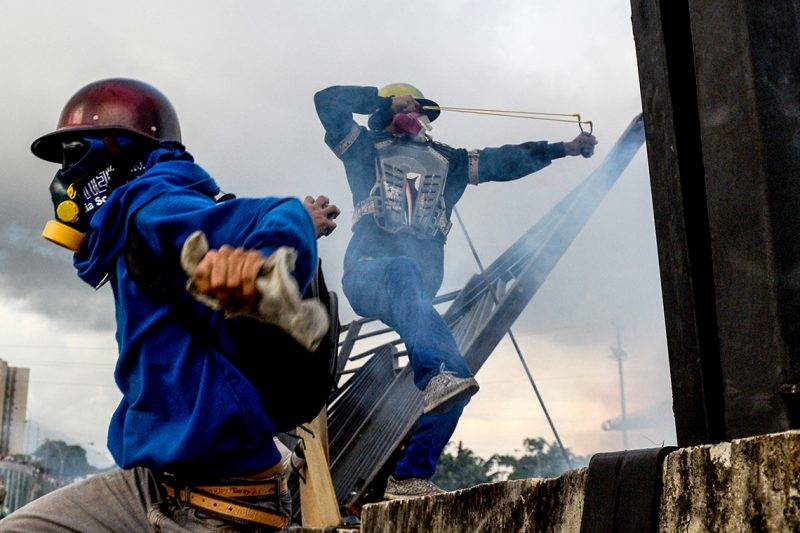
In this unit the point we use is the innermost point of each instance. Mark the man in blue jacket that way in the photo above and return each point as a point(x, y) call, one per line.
point(194, 432)
point(404, 187)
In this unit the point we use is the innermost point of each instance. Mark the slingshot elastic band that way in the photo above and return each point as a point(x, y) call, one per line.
point(572, 118)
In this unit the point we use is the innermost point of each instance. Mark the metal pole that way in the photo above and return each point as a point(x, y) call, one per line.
point(620, 355)
point(516, 345)
point(61, 457)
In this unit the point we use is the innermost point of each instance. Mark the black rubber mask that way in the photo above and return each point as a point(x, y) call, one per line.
point(92, 168)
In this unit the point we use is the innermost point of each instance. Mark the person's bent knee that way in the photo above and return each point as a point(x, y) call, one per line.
point(356, 292)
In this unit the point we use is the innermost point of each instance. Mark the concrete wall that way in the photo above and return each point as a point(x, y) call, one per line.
point(522, 505)
point(749, 484)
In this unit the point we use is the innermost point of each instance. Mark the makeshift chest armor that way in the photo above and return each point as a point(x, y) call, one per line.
point(408, 195)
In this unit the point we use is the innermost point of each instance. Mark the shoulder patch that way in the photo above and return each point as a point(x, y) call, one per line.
point(348, 140)
point(473, 159)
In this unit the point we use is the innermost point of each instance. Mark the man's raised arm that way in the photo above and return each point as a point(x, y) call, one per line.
point(336, 106)
point(514, 161)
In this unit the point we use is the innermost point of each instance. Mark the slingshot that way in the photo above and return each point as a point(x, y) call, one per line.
point(572, 118)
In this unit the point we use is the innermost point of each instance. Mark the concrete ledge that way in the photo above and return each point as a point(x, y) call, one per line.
point(521, 505)
point(745, 485)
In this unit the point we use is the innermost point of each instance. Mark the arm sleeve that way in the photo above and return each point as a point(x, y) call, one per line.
point(511, 162)
point(263, 224)
point(336, 106)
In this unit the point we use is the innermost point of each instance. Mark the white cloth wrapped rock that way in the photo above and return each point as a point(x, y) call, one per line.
point(280, 302)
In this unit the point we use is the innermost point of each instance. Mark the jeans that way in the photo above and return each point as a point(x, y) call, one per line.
point(391, 289)
point(430, 436)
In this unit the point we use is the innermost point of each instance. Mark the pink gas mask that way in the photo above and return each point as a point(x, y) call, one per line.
point(412, 124)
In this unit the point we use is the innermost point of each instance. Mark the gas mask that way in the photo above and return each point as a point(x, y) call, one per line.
point(92, 168)
point(415, 125)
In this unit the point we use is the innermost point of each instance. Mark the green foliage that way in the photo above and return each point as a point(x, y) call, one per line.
point(539, 459)
point(459, 467)
point(62, 460)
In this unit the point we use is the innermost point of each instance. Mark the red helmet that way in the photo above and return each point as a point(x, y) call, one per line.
point(116, 104)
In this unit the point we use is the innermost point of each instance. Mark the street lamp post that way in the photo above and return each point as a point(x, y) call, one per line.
point(61, 457)
point(620, 355)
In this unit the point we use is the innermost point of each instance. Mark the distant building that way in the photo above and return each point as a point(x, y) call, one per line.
point(22, 483)
point(13, 407)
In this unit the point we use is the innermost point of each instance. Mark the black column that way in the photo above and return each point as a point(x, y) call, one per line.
point(721, 100)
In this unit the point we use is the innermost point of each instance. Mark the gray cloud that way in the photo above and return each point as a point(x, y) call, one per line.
point(45, 282)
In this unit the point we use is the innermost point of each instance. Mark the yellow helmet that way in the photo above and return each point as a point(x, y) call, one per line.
point(403, 89)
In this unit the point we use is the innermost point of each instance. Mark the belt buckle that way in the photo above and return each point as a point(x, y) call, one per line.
point(185, 494)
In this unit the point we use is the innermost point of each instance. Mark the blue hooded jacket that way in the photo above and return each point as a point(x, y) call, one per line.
point(187, 408)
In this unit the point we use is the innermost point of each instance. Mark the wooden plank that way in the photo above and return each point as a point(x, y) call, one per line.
point(317, 496)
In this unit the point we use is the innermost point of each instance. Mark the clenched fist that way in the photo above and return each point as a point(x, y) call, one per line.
point(229, 276)
point(583, 145)
point(322, 213)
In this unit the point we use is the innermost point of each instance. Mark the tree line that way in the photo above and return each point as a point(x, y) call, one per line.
point(459, 467)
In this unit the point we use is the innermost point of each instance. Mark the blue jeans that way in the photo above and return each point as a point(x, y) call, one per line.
point(391, 289)
point(430, 436)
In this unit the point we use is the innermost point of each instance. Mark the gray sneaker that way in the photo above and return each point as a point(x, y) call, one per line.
point(401, 489)
point(444, 389)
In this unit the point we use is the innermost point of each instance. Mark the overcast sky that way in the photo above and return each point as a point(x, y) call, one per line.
point(242, 76)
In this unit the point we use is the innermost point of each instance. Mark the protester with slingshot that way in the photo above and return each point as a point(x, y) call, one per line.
point(405, 186)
